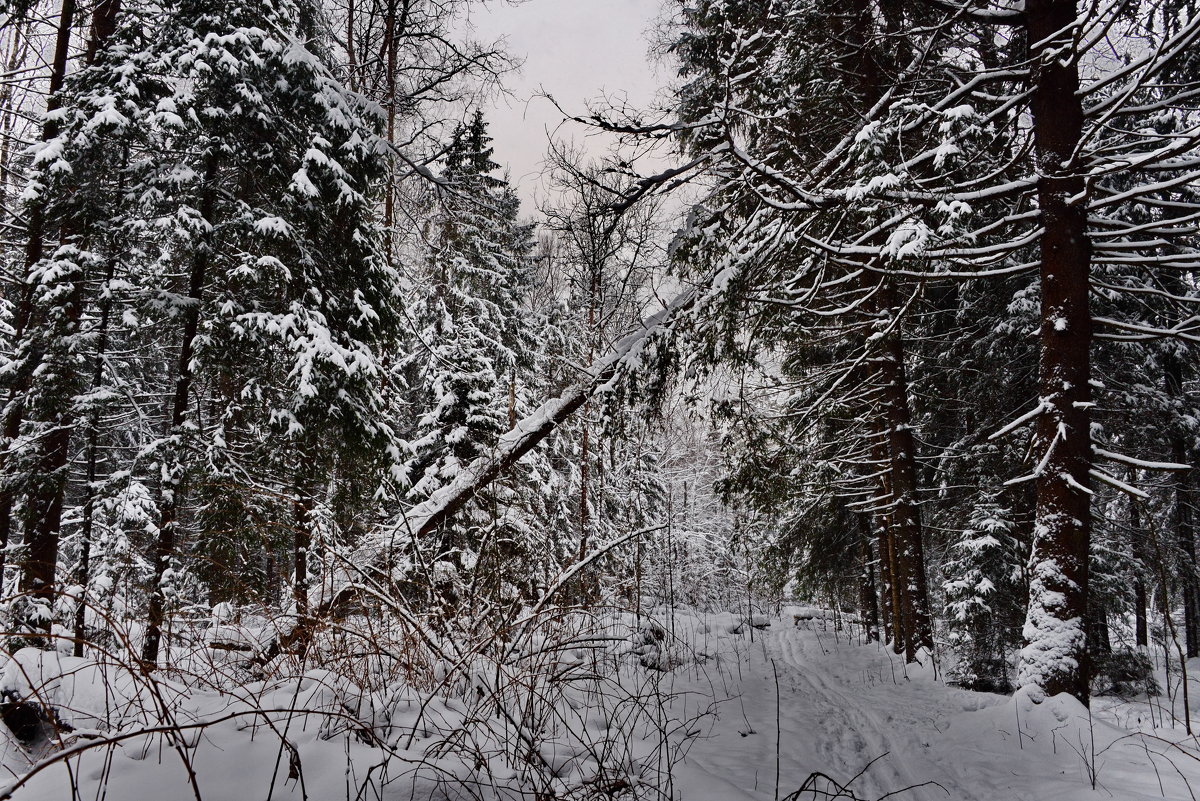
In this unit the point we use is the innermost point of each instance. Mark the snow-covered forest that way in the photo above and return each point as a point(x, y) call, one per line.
point(827, 427)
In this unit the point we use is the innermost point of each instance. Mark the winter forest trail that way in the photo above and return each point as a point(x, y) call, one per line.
point(838, 711)
point(737, 715)
point(848, 710)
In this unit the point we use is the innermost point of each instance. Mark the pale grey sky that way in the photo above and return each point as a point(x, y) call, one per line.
point(576, 50)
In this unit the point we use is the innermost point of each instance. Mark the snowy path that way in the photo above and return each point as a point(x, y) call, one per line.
point(789, 703)
point(838, 711)
point(843, 705)
point(860, 723)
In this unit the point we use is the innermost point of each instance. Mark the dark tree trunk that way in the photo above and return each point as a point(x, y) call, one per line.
point(393, 25)
point(1181, 515)
point(1099, 643)
point(172, 481)
point(44, 519)
point(35, 244)
point(1140, 601)
point(1055, 657)
point(1186, 537)
point(889, 547)
point(869, 600)
point(272, 586)
point(900, 619)
point(302, 514)
point(584, 477)
point(47, 490)
point(890, 568)
point(887, 609)
point(905, 512)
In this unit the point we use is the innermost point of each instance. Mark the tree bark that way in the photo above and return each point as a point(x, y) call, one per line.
point(871, 61)
point(869, 600)
point(1055, 658)
point(905, 513)
point(302, 514)
point(891, 624)
point(1140, 601)
point(1181, 515)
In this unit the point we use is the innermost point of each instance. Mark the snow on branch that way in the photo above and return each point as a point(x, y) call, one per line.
point(527, 433)
point(1117, 484)
point(1133, 462)
point(1020, 421)
point(345, 582)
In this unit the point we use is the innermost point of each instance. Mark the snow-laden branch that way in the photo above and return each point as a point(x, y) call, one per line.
point(1134, 462)
point(345, 582)
point(1022, 420)
point(1117, 483)
point(528, 432)
point(988, 16)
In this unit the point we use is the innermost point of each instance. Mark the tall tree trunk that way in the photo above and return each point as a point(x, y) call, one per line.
point(1099, 642)
point(1055, 657)
point(891, 576)
point(391, 34)
point(172, 471)
point(905, 512)
point(302, 545)
point(9, 112)
point(47, 490)
point(1182, 514)
point(871, 58)
point(351, 57)
point(891, 632)
point(512, 401)
point(272, 587)
point(14, 409)
point(594, 334)
point(584, 479)
point(1140, 602)
point(302, 521)
point(868, 599)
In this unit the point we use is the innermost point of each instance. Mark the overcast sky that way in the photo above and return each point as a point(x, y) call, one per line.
point(576, 50)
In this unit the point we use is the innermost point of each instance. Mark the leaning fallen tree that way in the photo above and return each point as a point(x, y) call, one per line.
point(346, 584)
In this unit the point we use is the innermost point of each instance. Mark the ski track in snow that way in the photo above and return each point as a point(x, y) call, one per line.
point(847, 710)
point(857, 727)
point(843, 705)
point(839, 711)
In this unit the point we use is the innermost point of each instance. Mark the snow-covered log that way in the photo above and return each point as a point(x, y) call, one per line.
point(344, 584)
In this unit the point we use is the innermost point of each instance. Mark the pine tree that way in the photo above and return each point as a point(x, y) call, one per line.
point(243, 216)
point(472, 368)
point(985, 599)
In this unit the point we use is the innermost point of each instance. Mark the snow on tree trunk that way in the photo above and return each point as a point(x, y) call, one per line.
point(1055, 659)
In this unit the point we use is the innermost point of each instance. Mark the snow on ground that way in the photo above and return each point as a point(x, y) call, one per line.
point(846, 708)
point(744, 713)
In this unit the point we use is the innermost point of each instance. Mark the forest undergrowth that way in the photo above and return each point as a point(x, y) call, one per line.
point(668, 701)
point(561, 703)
